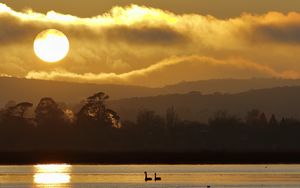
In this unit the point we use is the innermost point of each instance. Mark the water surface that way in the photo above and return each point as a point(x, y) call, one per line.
point(188, 176)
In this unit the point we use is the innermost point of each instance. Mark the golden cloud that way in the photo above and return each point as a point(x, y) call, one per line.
point(144, 45)
point(190, 67)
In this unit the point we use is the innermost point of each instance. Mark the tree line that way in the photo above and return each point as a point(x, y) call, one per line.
point(95, 127)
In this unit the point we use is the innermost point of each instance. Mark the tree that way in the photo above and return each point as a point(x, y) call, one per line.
point(172, 118)
point(94, 112)
point(48, 112)
point(114, 118)
point(252, 117)
point(18, 110)
point(273, 121)
point(256, 118)
point(223, 120)
point(149, 120)
point(15, 115)
point(263, 119)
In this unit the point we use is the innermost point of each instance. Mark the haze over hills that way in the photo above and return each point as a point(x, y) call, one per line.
point(229, 85)
point(282, 101)
point(19, 89)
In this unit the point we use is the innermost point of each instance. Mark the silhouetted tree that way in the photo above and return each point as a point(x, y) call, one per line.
point(94, 112)
point(223, 132)
point(14, 115)
point(172, 118)
point(256, 118)
point(223, 120)
point(18, 110)
point(273, 121)
point(48, 112)
point(2, 113)
point(289, 122)
point(113, 118)
point(282, 121)
point(262, 119)
point(149, 119)
point(252, 117)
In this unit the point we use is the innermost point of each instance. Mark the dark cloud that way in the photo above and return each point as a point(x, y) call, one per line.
point(146, 35)
point(12, 30)
point(286, 33)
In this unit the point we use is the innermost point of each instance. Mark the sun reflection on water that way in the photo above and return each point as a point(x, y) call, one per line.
point(52, 174)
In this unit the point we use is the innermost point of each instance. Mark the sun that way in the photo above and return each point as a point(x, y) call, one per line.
point(51, 45)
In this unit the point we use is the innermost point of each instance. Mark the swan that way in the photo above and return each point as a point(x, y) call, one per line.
point(146, 177)
point(156, 178)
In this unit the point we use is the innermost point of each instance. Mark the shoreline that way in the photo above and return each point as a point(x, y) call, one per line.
point(158, 158)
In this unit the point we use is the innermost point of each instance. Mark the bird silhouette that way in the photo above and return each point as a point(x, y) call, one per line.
point(156, 178)
point(146, 177)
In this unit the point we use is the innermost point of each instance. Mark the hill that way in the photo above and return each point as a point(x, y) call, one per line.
point(229, 85)
point(282, 101)
point(19, 89)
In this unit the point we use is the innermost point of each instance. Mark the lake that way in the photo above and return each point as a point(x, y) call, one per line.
point(185, 176)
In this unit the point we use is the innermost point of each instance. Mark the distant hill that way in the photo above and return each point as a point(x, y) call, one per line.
point(229, 85)
point(283, 101)
point(19, 89)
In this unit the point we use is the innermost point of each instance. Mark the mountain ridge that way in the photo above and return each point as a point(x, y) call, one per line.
point(281, 101)
point(21, 89)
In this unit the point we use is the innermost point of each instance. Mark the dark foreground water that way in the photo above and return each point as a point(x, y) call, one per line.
point(110, 176)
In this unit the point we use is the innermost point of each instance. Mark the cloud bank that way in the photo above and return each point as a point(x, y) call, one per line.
point(152, 47)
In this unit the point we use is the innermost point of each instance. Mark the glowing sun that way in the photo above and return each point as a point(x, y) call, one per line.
point(51, 45)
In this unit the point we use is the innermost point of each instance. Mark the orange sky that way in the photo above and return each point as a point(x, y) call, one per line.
point(149, 46)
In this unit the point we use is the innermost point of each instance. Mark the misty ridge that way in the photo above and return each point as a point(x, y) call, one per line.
point(68, 92)
point(195, 106)
point(93, 126)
